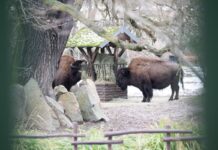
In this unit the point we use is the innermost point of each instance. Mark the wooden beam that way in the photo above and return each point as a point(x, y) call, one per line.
point(89, 51)
point(109, 50)
point(83, 52)
point(95, 54)
point(46, 136)
point(119, 133)
point(115, 60)
point(98, 142)
point(174, 139)
point(121, 52)
point(102, 50)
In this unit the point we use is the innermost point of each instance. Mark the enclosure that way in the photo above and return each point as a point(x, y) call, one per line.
point(67, 57)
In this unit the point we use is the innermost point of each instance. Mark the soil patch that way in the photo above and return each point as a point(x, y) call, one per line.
point(132, 114)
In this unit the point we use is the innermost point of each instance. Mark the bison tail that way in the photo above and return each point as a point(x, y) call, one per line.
point(181, 75)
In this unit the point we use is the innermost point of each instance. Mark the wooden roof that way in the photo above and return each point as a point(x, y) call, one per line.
point(87, 38)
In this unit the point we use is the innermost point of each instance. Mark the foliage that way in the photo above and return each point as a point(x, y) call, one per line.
point(131, 142)
point(87, 38)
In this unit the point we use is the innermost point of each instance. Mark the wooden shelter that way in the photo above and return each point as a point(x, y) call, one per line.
point(90, 45)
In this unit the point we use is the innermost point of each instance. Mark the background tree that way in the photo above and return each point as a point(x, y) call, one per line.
point(161, 25)
point(42, 31)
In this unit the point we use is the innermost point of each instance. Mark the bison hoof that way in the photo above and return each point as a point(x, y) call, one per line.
point(143, 101)
point(176, 98)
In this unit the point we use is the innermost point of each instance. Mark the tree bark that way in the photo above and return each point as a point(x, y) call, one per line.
point(41, 53)
point(43, 48)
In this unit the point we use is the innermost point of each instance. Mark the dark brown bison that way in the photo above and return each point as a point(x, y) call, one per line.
point(68, 73)
point(150, 73)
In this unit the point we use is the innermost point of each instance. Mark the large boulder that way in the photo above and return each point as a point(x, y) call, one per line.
point(59, 90)
point(89, 101)
point(168, 56)
point(70, 104)
point(40, 115)
point(18, 102)
point(59, 111)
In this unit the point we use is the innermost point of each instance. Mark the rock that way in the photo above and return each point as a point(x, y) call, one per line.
point(70, 104)
point(71, 107)
point(18, 103)
point(40, 115)
point(59, 111)
point(168, 56)
point(133, 54)
point(59, 90)
point(67, 52)
point(89, 101)
point(54, 104)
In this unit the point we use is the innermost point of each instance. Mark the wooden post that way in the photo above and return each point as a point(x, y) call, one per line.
point(110, 137)
point(109, 145)
point(75, 131)
point(168, 135)
point(115, 60)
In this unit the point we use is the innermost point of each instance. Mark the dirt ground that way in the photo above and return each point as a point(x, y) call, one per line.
point(130, 114)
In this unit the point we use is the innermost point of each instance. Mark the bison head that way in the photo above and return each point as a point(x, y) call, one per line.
point(123, 78)
point(78, 65)
point(76, 68)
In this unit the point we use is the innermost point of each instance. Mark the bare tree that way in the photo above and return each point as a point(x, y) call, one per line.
point(162, 25)
point(45, 29)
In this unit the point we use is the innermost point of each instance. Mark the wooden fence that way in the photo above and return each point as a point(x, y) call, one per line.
point(109, 135)
point(168, 140)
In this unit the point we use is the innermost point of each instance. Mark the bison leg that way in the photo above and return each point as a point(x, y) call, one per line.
point(173, 90)
point(144, 92)
point(177, 92)
point(150, 93)
point(147, 93)
point(144, 99)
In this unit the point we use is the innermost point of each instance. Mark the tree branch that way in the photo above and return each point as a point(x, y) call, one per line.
point(99, 31)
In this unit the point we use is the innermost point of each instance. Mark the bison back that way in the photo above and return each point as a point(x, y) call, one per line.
point(63, 74)
point(155, 71)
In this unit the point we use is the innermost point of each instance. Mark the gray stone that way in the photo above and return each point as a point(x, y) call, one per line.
point(40, 115)
point(54, 104)
point(67, 52)
point(59, 111)
point(71, 107)
point(18, 102)
point(89, 101)
point(168, 56)
point(134, 54)
point(59, 90)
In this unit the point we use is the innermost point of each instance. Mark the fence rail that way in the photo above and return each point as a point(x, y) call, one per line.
point(46, 136)
point(168, 140)
point(110, 142)
point(119, 133)
point(175, 139)
point(98, 142)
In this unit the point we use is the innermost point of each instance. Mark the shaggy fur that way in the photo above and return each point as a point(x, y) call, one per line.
point(68, 73)
point(150, 73)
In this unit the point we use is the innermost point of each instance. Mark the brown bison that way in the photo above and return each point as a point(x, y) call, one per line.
point(68, 73)
point(150, 73)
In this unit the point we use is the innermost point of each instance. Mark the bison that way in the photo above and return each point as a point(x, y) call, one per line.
point(68, 73)
point(150, 73)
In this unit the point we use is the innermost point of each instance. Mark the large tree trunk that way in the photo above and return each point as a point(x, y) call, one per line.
point(41, 53)
point(43, 48)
